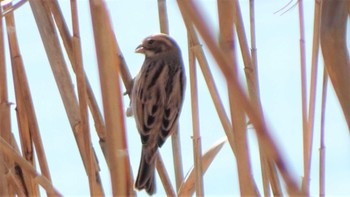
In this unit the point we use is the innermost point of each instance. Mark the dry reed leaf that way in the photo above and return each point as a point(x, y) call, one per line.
point(335, 54)
point(188, 185)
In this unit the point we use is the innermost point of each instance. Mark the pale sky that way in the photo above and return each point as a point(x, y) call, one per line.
point(279, 75)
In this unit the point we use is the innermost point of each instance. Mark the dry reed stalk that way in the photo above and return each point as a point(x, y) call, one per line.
point(13, 7)
point(322, 165)
point(335, 54)
point(203, 63)
point(197, 145)
point(268, 171)
point(261, 129)
point(188, 186)
point(175, 137)
point(25, 165)
point(304, 109)
point(164, 177)
point(59, 68)
point(308, 134)
point(5, 123)
point(163, 17)
point(67, 42)
point(124, 71)
point(95, 190)
point(25, 98)
point(229, 14)
point(119, 163)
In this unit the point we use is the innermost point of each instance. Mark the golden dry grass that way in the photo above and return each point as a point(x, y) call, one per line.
point(328, 32)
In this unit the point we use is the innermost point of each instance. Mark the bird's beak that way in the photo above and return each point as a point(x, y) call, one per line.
point(140, 49)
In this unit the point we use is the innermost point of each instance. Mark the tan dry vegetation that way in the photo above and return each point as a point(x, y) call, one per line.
point(329, 31)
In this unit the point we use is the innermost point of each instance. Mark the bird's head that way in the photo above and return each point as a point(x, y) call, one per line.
point(156, 44)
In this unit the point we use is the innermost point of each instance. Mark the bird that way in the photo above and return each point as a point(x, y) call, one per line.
point(156, 101)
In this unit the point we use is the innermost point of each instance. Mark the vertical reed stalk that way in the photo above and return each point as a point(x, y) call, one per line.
point(306, 121)
point(119, 164)
point(197, 145)
point(267, 167)
point(42, 15)
point(67, 42)
point(227, 17)
point(84, 125)
point(175, 137)
point(322, 165)
point(25, 98)
point(209, 79)
point(308, 136)
point(261, 129)
point(5, 126)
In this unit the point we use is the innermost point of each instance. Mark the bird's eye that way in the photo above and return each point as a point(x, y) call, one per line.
point(150, 41)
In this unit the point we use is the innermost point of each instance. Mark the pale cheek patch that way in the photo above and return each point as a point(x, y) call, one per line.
point(149, 53)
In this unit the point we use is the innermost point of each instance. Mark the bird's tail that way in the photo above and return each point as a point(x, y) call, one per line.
point(146, 175)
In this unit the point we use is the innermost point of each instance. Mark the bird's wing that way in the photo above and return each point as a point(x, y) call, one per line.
point(149, 101)
point(172, 107)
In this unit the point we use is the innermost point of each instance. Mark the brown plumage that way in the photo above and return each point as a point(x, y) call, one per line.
point(157, 97)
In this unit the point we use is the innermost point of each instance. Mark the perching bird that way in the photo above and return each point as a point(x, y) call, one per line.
point(156, 101)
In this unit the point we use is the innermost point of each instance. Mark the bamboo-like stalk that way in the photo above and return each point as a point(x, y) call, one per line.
point(22, 119)
point(229, 12)
point(67, 42)
point(203, 63)
point(119, 164)
point(308, 136)
point(322, 165)
point(261, 129)
point(266, 165)
point(163, 17)
point(175, 137)
point(307, 133)
point(197, 144)
point(5, 124)
point(42, 15)
point(95, 190)
point(164, 177)
point(39, 179)
point(25, 98)
point(335, 54)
